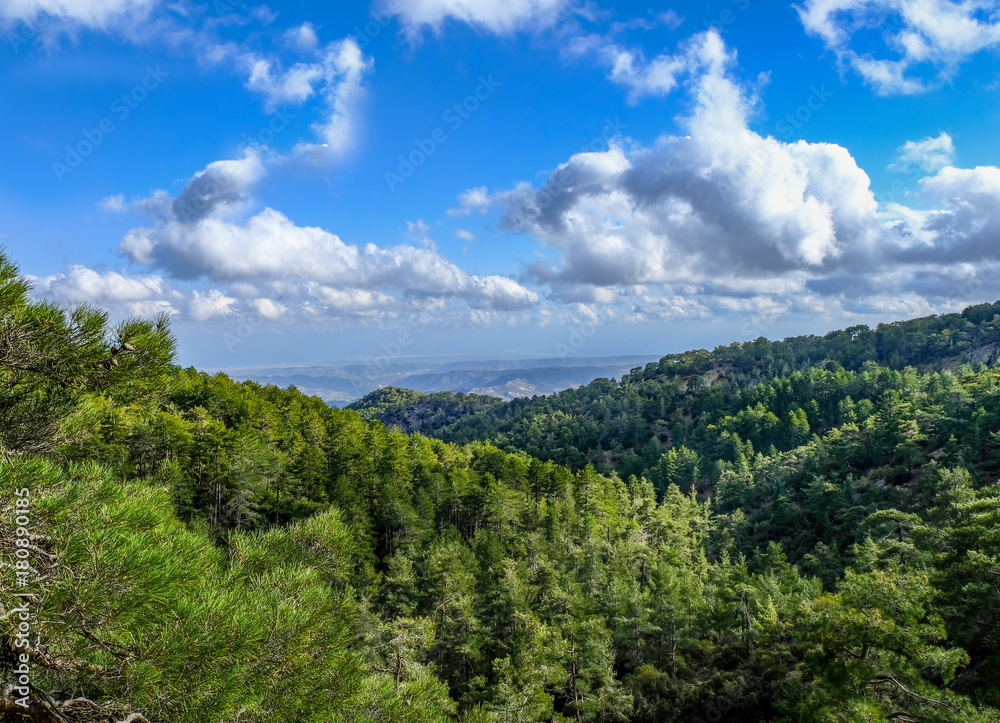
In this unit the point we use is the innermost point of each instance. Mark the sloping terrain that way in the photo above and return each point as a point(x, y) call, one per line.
point(817, 540)
point(771, 393)
point(504, 378)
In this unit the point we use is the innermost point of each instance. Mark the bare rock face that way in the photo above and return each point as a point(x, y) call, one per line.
point(987, 355)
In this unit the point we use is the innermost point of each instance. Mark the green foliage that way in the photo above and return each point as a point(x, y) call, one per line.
point(767, 393)
point(50, 358)
point(798, 531)
point(416, 412)
point(136, 613)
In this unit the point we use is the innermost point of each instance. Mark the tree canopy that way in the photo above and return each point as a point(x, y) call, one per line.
point(807, 541)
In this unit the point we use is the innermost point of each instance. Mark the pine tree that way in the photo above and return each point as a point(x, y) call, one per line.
point(51, 357)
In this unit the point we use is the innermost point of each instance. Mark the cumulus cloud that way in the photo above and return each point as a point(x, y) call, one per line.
point(222, 188)
point(495, 16)
point(89, 13)
point(210, 305)
point(294, 85)
point(197, 236)
point(269, 246)
point(344, 68)
point(965, 226)
point(926, 40)
point(718, 201)
point(724, 216)
point(930, 154)
point(642, 77)
point(475, 200)
point(146, 295)
point(125, 295)
point(333, 74)
point(629, 67)
point(265, 264)
point(302, 38)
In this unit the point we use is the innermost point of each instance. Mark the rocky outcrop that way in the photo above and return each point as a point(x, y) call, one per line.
point(988, 355)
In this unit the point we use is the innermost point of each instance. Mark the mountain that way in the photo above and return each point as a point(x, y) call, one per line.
point(813, 537)
point(503, 378)
point(769, 393)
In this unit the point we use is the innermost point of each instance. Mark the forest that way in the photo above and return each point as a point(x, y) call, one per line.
point(805, 530)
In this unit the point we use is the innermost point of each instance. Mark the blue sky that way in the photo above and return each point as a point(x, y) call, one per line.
point(297, 183)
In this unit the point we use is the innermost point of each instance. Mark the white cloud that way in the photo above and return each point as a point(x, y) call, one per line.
point(930, 154)
point(923, 37)
point(630, 68)
point(420, 232)
point(718, 202)
point(965, 227)
point(122, 294)
point(302, 38)
point(268, 266)
point(223, 188)
point(659, 76)
point(496, 16)
point(334, 75)
point(269, 247)
point(474, 200)
point(344, 67)
point(731, 220)
point(465, 235)
point(211, 305)
point(887, 76)
point(114, 204)
point(669, 19)
point(268, 308)
point(294, 85)
point(89, 13)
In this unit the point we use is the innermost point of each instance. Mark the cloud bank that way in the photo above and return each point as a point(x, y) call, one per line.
point(728, 218)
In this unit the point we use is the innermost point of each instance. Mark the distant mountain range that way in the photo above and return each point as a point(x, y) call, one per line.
point(503, 378)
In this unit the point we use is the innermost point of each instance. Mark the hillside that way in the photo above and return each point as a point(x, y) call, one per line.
point(417, 412)
point(198, 549)
point(770, 393)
